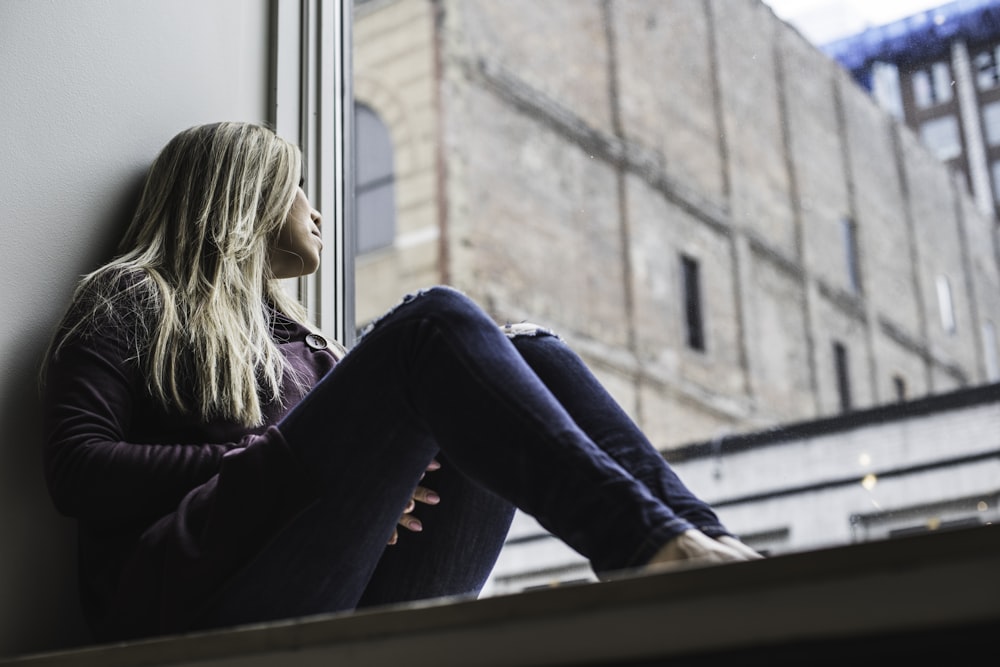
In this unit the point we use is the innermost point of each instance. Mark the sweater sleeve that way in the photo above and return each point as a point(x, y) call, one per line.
point(92, 470)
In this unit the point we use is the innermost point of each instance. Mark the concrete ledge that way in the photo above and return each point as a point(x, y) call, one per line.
point(910, 596)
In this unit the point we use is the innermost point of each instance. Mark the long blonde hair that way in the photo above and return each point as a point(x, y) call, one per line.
point(193, 272)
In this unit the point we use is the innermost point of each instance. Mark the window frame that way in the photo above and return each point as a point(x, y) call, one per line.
point(312, 105)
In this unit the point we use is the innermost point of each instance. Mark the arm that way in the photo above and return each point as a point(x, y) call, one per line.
point(92, 470)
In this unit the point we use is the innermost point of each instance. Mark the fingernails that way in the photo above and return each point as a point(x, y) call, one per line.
point(414, 525)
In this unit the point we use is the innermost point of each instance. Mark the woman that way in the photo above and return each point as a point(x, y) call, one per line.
point(228, 464)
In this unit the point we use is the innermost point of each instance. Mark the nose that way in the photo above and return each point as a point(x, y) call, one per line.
point(317, 218)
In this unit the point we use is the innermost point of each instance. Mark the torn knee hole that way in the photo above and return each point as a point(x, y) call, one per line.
point(525, 329)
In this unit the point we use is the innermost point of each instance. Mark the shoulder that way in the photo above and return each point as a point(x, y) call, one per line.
point(112, 305)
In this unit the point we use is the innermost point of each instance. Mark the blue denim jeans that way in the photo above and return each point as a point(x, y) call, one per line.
point(516, 420)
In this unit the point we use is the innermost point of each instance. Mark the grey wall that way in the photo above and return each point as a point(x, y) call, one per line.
point(89, 92)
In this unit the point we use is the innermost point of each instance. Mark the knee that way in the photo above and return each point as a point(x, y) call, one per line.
point(521, 330)
point(439, 301)
point(444, 300)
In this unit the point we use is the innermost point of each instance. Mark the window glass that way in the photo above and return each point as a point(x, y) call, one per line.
point(923, 92)
point(985, 68)
point(692, 303)
point(940, 136)
point(995, 171)
point(851, 254)
point(885, 88)
point(646, 176)
point(932, 85)
point(991, 351)
point(842, 373)
point(991, 123)
point(375, 199)
point(946, 307)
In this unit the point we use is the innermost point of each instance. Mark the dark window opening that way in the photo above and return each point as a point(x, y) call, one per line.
point(851, 254)
point(899, 385)
point(692, 303)
point(843, 375)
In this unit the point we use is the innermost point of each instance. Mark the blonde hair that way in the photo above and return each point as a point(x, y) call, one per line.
point(193, 272)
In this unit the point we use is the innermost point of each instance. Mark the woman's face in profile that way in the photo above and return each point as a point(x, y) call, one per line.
point(296, 249)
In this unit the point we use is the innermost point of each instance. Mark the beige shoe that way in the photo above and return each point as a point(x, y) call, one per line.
point(693, 547)
point(736, 545)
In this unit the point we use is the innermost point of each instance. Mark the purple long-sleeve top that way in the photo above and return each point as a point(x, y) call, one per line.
point(158, 531)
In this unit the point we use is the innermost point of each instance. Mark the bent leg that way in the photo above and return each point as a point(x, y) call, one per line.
point(438, 363)
point(434, 373)
point(455, 552)
point(608, 425)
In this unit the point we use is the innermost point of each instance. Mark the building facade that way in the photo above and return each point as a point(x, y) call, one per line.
point(709, 209)
point(939, 72)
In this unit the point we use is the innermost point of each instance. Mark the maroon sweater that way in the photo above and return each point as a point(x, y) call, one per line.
point(158, 530)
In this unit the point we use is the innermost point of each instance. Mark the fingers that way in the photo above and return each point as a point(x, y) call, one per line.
point(421, 494)
point(431, 467)
point(426, 496)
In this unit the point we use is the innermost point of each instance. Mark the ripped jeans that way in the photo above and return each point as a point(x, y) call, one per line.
point(516, 420)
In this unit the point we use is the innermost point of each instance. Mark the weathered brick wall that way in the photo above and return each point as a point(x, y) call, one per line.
point(666, 93)
point(394, 74)
point(587, 145)
point(752, 122)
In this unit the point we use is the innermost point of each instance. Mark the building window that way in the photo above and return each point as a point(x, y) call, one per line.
point(945, 305)
point(899, 386)
point(932, 85)
point(941, 137)
point(691, 277)
point(886, 88)
point(991, 123)
point(995, 171)
point(375, 186)
point(991, 351)
point(984, 64)
point(850, 237)
point(842, 371)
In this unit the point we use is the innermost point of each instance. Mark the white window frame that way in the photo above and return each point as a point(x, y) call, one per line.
point(313, 105)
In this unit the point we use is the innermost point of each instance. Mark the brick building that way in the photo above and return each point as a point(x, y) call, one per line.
point(939, 72)
point(708, 208)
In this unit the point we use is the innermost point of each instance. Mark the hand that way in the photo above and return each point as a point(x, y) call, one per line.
point(421, 494)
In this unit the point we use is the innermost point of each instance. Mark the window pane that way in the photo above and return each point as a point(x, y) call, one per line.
point(941, 75)
point(991, 123)
point(991, 350)
point(375, 195)
point(692, 303)
point(985, 68)
point(923, 91)
point(940, 136)
point(946, 307)
point(646, 176)
point(995, 171)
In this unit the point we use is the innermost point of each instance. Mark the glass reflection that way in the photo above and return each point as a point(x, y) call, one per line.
point(781, 254)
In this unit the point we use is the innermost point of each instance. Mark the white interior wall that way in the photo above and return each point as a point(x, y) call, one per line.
point(89, 92)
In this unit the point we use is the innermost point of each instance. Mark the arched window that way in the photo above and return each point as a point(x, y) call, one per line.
point(375, 193)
